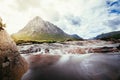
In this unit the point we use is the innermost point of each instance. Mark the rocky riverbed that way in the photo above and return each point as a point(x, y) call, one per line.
point(71, 47)
point(72, 60)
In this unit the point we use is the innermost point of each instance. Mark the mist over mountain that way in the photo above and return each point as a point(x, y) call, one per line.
point(38, 29)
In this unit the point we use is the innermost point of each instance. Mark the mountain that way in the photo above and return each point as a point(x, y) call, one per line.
point(76, 36)
point(39, 30)
point(108, 36)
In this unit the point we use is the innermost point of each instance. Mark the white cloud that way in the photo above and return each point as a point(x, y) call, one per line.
point(92, 14)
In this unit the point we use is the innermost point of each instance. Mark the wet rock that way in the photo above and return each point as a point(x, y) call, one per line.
point(32, 49)
point(118, 47)
point(47, 50)
point(103, 50)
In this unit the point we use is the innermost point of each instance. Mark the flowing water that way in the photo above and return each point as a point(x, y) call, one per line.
point(71, 61)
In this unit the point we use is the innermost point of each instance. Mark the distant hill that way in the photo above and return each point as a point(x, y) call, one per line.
point(38, 30)
point(76, 36)
point(108, 36)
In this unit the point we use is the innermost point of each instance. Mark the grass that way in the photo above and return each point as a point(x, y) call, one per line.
point(41, 38)
point(116, 36)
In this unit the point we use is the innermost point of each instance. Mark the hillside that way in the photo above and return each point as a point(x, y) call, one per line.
point(39, 30)
point(109, 36)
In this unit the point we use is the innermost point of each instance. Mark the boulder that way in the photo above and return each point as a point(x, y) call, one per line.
point(12, 65)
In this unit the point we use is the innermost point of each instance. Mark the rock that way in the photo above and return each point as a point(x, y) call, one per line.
point(47, 50)
point(103, 50)
point(12, 65)
point(118, 47)
point(32, 49)
point(76, 51)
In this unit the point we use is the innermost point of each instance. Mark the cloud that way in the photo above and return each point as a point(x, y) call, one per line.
point(114, 23)
point(87, 18)
point(73, 20)
point(25, 4)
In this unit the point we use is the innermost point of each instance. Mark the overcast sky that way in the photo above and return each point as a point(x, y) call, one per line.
point(87, 18)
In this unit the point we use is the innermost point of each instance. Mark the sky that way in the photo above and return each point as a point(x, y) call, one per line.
point(87, 18)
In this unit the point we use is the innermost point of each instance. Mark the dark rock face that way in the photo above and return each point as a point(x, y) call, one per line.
point(12, 65)
point(74, 67)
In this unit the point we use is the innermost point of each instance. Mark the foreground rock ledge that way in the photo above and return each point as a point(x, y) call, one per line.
point(12, 65)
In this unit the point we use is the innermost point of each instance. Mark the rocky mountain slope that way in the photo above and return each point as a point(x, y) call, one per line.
point(39, 30)
point(108, 36)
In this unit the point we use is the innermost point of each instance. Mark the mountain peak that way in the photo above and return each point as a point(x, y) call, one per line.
point(37, 29)
point(37, 18)
point(38, 26)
